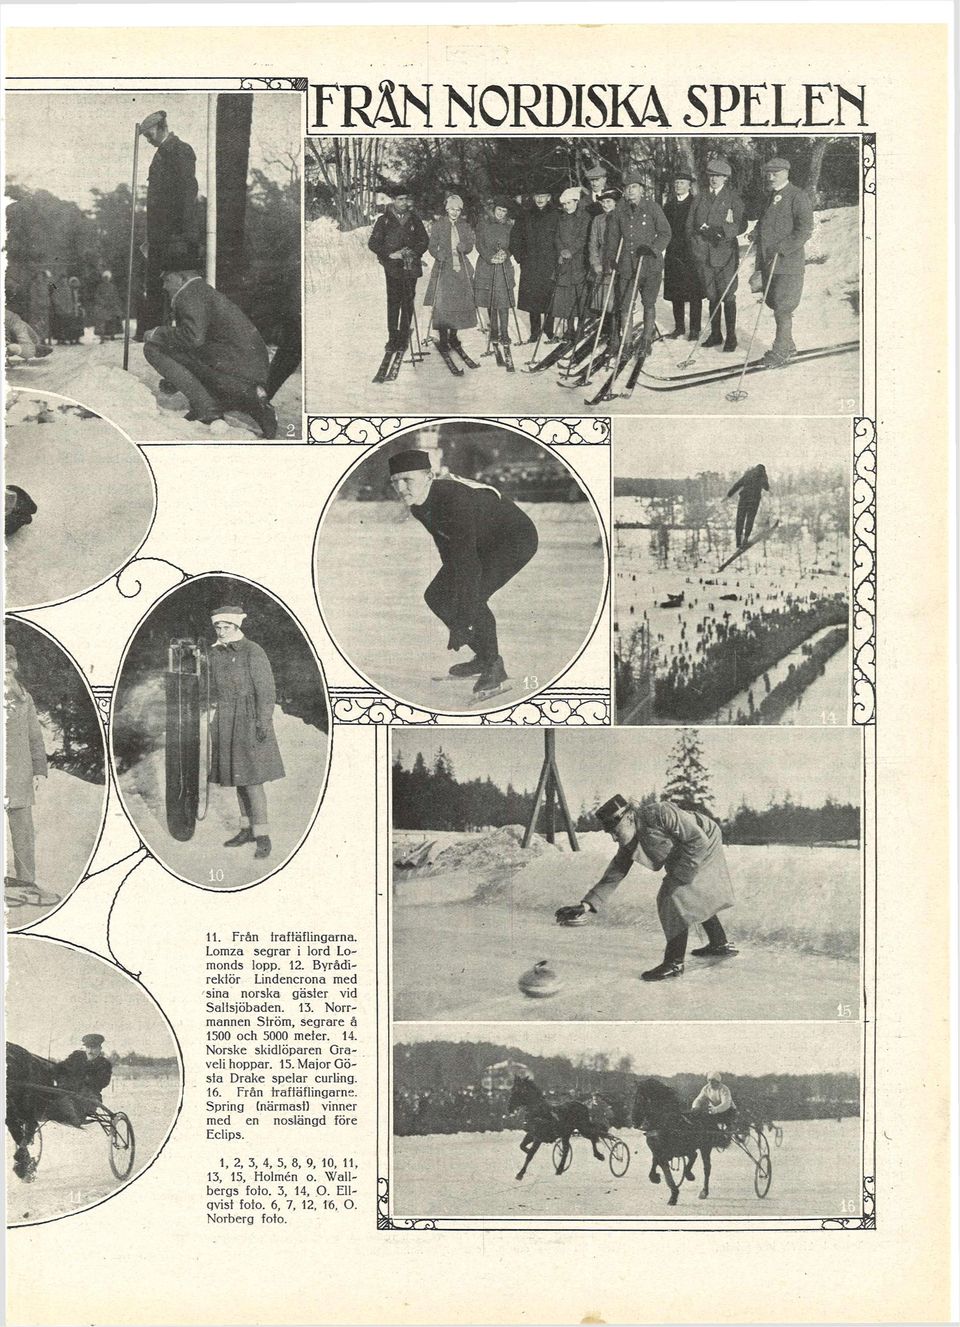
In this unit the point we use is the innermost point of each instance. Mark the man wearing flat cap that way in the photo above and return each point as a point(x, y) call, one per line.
point(171, 208)
point(399, 239)
point(245, 754)
point(714, 223)
point(687, 845)
point(640, 223)
point(483, 538)
point(85, 1072)
point(783, 228)
point(210, 351)
point(681, 280)
point(596, 178)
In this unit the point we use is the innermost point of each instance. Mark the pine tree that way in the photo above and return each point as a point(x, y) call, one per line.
point(688, 779)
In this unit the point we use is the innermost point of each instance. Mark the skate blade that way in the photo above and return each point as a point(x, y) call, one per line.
point(481, 697)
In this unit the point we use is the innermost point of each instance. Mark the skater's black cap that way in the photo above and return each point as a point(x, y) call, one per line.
point(613, 811)
point(92, 1039)
point(402, 463)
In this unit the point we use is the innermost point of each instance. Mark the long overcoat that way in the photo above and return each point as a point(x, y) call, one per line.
point(573, 232)
point(210, 328)
point(531, 243)
point(495, 281)
point(595, 248)
point(243, 690)
point(171, 199)
point(688, 845)
point(785, 225)
point(26, 754)
point(448, 290)
point(680, 278)
point(107, 309)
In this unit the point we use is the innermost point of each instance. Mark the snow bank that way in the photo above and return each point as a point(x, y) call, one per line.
point(806, 899)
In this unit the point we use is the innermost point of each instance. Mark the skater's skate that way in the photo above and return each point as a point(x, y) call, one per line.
point(491, 679)
point(470, 668)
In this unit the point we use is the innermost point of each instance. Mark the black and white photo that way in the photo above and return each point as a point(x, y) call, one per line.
point(461, 565)
point(154, 273)
point(646, 275)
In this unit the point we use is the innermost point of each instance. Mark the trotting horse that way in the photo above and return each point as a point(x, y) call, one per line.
point(33, 1098)
point(673, 1134)
point(547, 1124)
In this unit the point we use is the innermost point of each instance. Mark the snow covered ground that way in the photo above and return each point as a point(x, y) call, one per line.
point(816, 1173)
point(66, 818)
point(291, 804)
point(761, 578)
point(93, 374)
point(74, 1171)
point(374, 563)
point(346, 331)
point(94, 494)
point(465, 929)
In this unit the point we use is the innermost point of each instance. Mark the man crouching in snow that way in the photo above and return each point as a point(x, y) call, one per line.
point(211, 352)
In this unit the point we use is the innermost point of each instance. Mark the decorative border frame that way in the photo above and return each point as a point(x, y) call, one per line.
point(864, 551)
point(365, 430)
point(570, 707)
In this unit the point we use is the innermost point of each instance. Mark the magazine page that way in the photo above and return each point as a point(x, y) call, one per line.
point(477, 664)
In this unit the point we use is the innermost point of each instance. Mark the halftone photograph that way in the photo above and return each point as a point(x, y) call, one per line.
point(673, 1121)
point(220, 732)
point(647, 274)
point(732, 572)
point(94, 1079)
point(462, 566)
point(645, 874)
point(154, 272)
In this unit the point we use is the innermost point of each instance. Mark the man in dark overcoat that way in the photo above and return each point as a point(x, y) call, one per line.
point(532, 244)
point(639, 221)
point(681, 280)
point(399, 239)
point(245, 753)
point(171, 209)
point(714, 222)
point(211, 352)
point(784, 226)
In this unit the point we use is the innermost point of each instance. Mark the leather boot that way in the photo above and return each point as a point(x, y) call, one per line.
point(730, 317)
point(244, 836)
point(716, 336)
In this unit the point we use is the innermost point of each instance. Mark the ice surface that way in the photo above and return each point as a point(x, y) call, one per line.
point(374, 563)
point(815, 1172)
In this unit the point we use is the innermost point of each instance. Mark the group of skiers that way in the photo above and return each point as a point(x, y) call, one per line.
point(599, 252)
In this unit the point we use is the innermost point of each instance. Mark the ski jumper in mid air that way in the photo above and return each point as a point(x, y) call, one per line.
point(751, 485)
point(688, 846)
point(483, 539)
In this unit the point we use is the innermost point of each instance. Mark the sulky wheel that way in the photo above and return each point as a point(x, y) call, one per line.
point(122, 1145)
point(562, 1155)
point(619, 1158)
point(763, 1173)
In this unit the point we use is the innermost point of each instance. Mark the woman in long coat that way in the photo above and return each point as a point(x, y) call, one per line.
point(688, 846)
point(107, 309)
point(245, 754)
point(495, 274)
point(681, 279)
point(570, 247)
point(532, 244)
point(26, 764)
point(450, 288)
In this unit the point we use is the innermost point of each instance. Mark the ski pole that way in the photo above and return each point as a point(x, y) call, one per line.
point(133, 223)
point(584, 297)
point(603, 311)
point(512, 307)
point(436, 295)
point(473, 288)
point(548, 315)
point(628, 324)
point(685, 363)
point(738, 394)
